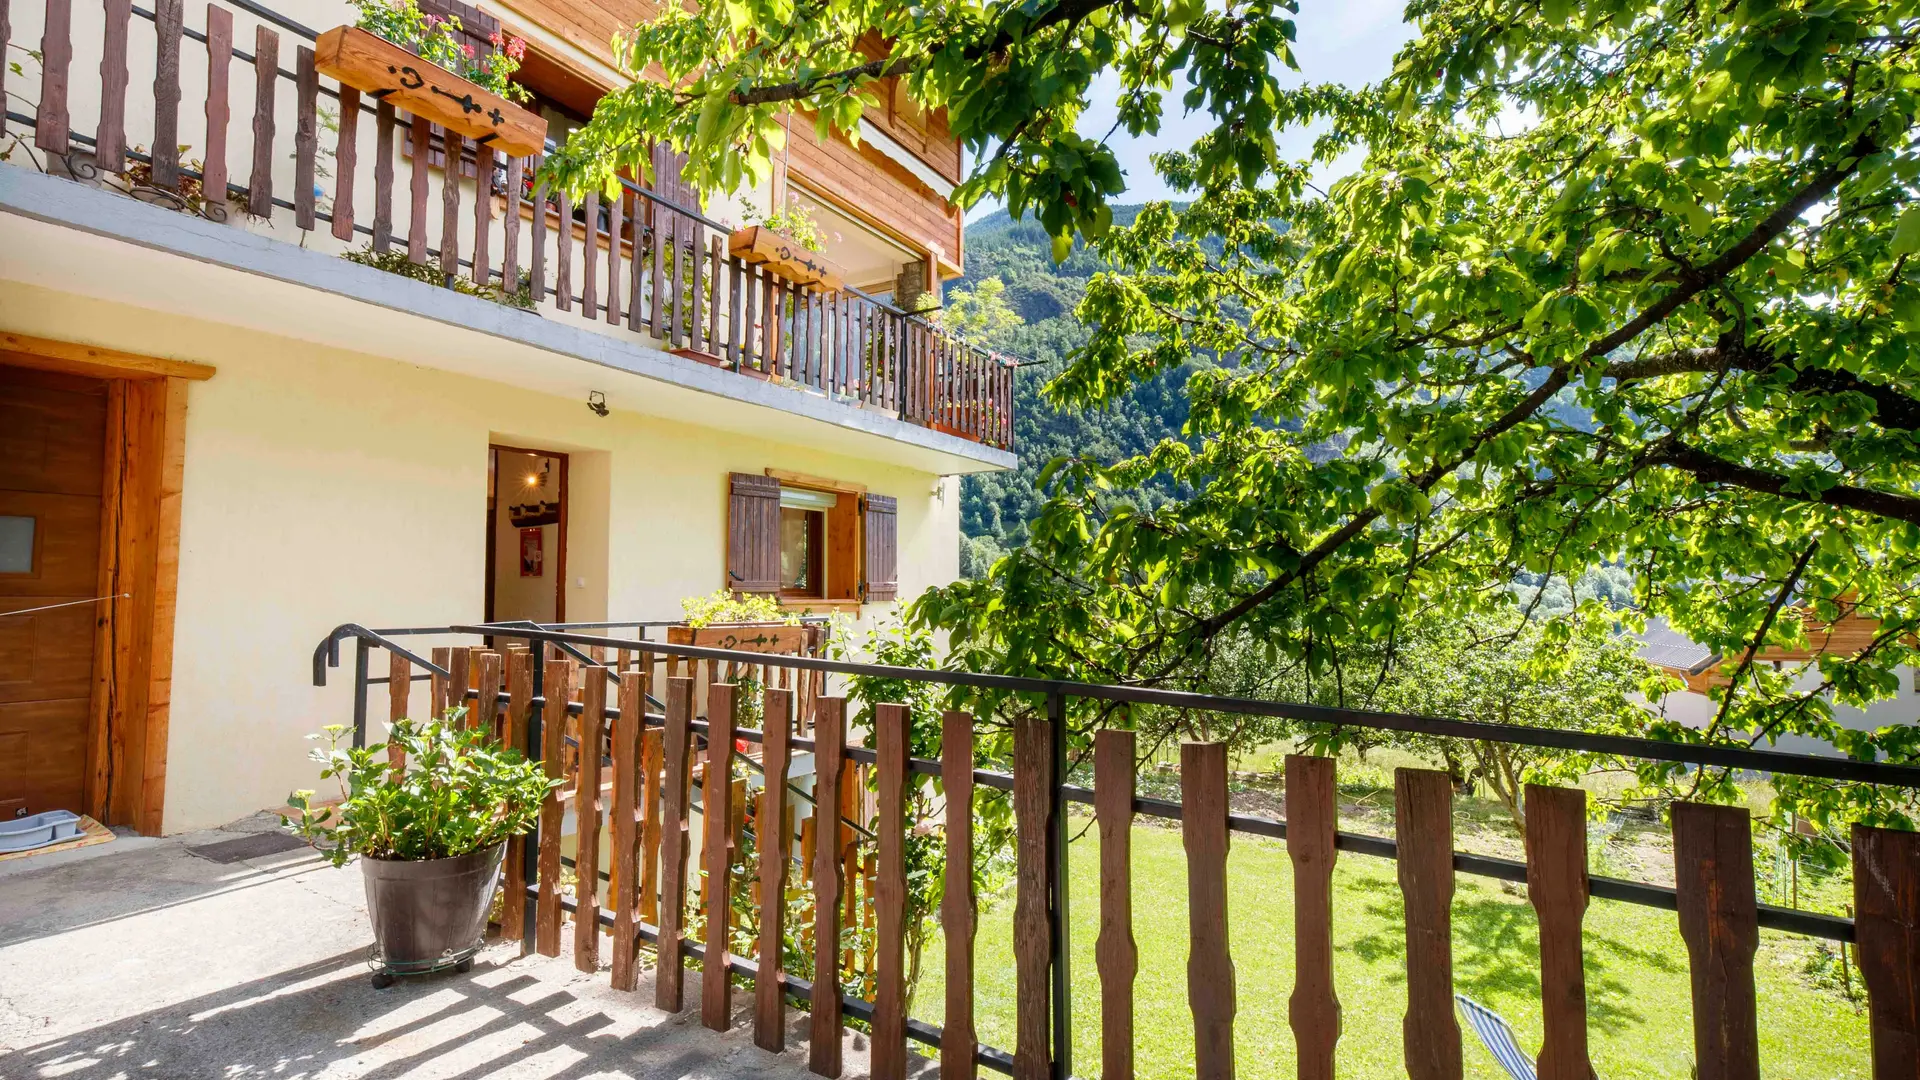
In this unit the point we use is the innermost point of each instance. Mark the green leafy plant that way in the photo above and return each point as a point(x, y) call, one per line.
point(795, 222)
point(724, 606)
point(395, 261)
point(459, 791)
point(434, 39)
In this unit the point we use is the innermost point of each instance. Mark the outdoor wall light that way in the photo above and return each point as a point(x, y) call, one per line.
point(597, 401)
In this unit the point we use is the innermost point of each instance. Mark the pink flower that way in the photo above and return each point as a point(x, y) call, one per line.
point(517, 48)
point(496, 40)
point(467, 49)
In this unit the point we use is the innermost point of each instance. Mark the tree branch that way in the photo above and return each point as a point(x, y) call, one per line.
point(1717, 470)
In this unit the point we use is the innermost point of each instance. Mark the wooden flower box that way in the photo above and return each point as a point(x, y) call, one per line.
point(786, 258)
point(373, 65)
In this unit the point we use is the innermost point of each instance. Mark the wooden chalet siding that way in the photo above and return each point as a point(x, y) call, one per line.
point(476, 26)
point(882, 547)
point(867, 181)
point(753, 533)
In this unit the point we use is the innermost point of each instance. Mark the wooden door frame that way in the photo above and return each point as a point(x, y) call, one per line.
point(560, 539)
point(126, 764)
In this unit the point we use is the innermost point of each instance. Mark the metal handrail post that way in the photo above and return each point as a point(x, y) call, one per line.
point(530, 851)
point(359, 692)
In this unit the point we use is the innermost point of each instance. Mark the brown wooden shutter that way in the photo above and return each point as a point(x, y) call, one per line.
point(881, 514)
point(753, 534)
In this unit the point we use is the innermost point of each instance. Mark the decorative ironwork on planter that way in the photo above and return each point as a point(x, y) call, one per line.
point(372, 64)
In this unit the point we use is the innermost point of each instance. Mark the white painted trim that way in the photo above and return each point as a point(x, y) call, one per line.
point(906, 158)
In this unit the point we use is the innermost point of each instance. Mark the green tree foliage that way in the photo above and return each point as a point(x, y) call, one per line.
point(1018, 300)
point(1615, 284)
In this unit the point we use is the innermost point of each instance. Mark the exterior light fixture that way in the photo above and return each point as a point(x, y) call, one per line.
point(597, 402)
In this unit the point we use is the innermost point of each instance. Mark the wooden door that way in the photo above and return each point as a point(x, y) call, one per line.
point(52, 446)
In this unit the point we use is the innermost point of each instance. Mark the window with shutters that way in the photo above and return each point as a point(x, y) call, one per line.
point(808, 539)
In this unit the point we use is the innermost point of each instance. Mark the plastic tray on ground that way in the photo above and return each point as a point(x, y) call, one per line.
point(38, 830)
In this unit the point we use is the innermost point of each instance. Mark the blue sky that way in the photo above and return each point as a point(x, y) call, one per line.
point(1349, 41)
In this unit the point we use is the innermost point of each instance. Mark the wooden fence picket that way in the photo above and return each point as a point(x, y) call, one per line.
point(486, 703)
point(1886, 901)
point(1203, 826)
point(384, 121)
point(346, 160)
point(889, 1060)
point(623, 892)
point(1423, 825)
point(616, 222)
point(510, 227)
point(453, 149)
point(557, 690)
point(1557, 886)
point(420, 137)
point(1032, 950)
point(829, 735)
point(219, 111)
point(1719, 920)
point(563, 252)
point(266, 79)
point(306, 137)
point(586, 820)
point(439, 687)
point(537, 234)
point(110, 137)
point(399, 695)
point(652, 801)
point(56, 62)
point(670, 975)
point(168, 27)
point(1312, 817)
point(1114, 950)
point(772, 837)
point(959, 1042)
point(482, 214)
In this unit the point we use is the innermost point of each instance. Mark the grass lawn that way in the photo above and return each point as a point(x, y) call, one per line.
point(1637, 984)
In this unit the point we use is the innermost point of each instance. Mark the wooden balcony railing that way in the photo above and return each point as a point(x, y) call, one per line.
point(287, 146)
point(664, 718)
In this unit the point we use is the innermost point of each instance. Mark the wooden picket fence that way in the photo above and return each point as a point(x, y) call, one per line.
point(656, 760)
point(646, 260)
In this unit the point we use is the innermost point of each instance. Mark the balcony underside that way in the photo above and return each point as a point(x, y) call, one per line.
point(66, 236)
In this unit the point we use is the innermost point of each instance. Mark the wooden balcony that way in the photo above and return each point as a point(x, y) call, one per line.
point(183, 117)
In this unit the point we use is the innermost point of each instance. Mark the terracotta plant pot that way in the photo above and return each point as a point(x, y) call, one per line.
point(430, 914)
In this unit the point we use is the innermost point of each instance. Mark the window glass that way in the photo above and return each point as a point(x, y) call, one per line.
point(16, 545)
point(800, 551)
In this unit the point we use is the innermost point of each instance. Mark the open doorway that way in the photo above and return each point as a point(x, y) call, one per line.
point(526, 534)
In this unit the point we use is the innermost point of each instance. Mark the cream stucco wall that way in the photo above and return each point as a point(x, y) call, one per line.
point(325, 486)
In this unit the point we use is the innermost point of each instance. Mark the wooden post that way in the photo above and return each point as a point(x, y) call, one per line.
point(483, 213)
point(770, 1000)
point(1423, 822)
point(452, 148)
point(652, 756)
point(1886, 899)
point(1115, 953)
point(624, 893)
point(513, 910)
point(56, 60)
point(958, 1038)
point(1032, 940)
point(830, 734)
point(510, 228)
point(1313, 1010)
point(586, 819)
point(383, 125)
point(440, 687)
point(1203, 825)
point(306, 136)
point(1719, 919)
point(678, 740)
point(417, 191)
point(590, 257)
point(889, 1059)
point(557, 691)
point(1557, 887)
point(716, 813)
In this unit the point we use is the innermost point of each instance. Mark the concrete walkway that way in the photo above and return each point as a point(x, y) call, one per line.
point(230, 954)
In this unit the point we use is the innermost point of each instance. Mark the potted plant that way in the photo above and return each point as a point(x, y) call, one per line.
point(788, 243)
point(417, 62)
point(429, 812)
